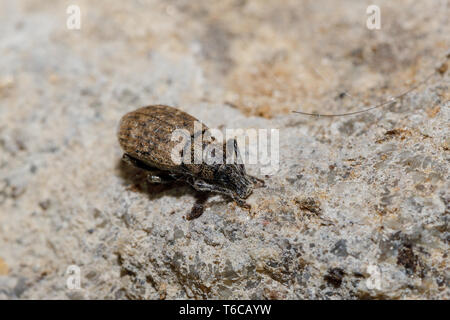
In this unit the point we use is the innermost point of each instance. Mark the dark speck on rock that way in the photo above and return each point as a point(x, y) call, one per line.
point(309, 204)
point(407, 258)
point(340, 248)
point(177, 233)
point(334, 277)
point(20, 287)
point(347, 128)
point(45, 204)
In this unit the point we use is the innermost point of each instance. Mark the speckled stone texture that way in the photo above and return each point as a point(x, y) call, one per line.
point(358, 209)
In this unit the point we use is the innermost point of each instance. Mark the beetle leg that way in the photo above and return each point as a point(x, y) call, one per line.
point(156, 177)
point(201, 185)
point(159, 176)
point(199, 206)
point(259, 183)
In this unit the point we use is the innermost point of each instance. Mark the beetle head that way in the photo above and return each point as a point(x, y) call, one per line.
point(233, 175)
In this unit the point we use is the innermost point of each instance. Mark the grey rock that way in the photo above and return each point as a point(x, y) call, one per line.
point(359, 207)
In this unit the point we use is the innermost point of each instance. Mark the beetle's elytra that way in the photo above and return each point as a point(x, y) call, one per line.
point(145, 136)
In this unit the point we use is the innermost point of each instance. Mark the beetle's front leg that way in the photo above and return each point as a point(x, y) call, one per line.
point(259, 183)
point(202, 185)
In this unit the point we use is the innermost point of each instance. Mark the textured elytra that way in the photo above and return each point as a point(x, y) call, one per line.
point(145, 134)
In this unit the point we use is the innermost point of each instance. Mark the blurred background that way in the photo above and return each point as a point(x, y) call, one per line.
point(266, 58)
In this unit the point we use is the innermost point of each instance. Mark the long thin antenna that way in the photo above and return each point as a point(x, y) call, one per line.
point(387, 102)
point(384, 103)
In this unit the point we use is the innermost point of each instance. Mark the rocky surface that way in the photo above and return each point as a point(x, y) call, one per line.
point(359, 207)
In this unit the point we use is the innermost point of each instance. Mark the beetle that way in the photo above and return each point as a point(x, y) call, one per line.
point(145, 136)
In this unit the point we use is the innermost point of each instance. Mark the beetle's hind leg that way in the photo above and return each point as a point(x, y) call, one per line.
point(202, 185)
point(153, 175)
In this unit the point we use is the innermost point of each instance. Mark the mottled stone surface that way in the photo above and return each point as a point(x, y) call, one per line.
point(358, 209)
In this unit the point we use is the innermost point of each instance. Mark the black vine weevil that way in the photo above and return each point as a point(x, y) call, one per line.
point(145, 135)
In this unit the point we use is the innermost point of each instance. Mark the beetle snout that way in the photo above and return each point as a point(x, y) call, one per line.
point(244, 188)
